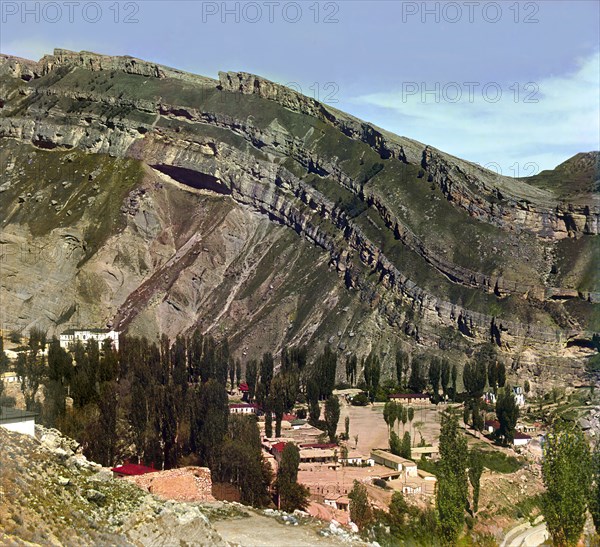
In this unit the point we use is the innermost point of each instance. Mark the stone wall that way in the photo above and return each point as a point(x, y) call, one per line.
point(183, 484)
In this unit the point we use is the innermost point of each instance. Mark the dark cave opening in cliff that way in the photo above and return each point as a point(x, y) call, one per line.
point(194, 179)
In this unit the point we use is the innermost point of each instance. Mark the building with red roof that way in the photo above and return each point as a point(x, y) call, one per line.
point(521, 439)
point(492, 426)
point(277, 448)
point(131, 470)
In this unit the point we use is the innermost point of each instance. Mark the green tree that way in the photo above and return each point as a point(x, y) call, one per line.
point(595, 488)
point(107, 422)
point(332, 416)
point(418, 374)
point(501, 374)
point(475, 471)
point(454, 375)
point(268, 424)
point(434, 377)
point(399, 514)
point(474, 378)
point(493, 375)
point(372, 373)
point(291, 494)
point(403, 416)
point(211, 413)
point(445, 376)
point(395, 444)
point(405, 450)
point(347, 427)
point(267, 366)
point(361, 512)
point(567, 474)
point(241, 462)
point(410, 414)
point(252, 378)
point(387, 413)
point(351, 366)
point(478, 421)
point(452, 492)
point(507, 412)
point(4, 361)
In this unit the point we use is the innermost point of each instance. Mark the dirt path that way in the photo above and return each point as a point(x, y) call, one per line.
point(525, 535)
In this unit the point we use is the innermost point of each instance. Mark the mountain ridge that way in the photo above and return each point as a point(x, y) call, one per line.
point(378, 204)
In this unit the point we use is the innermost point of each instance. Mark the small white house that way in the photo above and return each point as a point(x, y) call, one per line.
point(19, 421)
point(521, 439)
point(357, 459)
point(71, 336)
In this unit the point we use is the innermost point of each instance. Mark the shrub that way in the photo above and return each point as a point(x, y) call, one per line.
point(360, 400)
point(381, 483)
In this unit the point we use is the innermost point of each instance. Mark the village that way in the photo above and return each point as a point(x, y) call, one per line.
point(330, 469)
point(361, 451)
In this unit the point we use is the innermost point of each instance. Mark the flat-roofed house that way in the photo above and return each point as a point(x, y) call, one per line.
point(387, 459)
point(19, 421)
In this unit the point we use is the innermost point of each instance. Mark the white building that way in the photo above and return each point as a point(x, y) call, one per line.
point(354, 458)
point(519, 395)
point(243, 408)
point(20, 421)
point(521, 439)
point(9, 377)
point(397, 463)
point(71, 336)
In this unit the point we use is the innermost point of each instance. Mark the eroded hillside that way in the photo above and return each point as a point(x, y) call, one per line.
point(143, 197)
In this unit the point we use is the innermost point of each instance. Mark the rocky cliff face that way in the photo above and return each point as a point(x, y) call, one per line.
point(175, 200)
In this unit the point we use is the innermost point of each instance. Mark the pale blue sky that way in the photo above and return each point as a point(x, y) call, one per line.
point(377, 59)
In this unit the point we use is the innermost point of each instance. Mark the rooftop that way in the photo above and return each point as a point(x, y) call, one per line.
point(95, 331)
point(278, 447)
point(409, 396)
point(10, 415)
point(243, 405)
point(132, 469)
point(320, 446)
point(392, 457)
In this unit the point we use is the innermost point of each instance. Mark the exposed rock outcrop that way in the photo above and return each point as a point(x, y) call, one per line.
point(376, 203)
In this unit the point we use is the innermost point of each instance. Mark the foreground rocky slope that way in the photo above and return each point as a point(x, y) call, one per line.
point(150, 199)
point(51, 495)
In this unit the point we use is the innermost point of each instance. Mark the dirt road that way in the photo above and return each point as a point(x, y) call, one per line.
point(525, 535)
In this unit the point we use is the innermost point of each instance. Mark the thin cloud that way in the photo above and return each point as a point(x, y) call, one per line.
point(547, 122)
